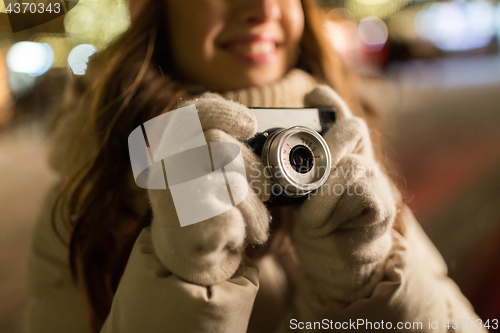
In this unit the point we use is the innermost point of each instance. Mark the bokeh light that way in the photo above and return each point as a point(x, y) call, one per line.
point(79, 56)
point(31, 58)
point(457, 26)
point(378, 8)
point(60, 44)
point(97, 21)
point(373, 33)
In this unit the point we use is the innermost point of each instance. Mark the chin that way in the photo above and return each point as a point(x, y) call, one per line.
point(241, 78)
point(254, 78)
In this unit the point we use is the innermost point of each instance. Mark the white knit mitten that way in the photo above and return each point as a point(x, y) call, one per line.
point(341, 233)
point(210, 251)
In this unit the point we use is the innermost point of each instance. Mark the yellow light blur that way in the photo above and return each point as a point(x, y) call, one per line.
point(97, 21)
point(378, 8)
point(60, 44)
point(373, 2)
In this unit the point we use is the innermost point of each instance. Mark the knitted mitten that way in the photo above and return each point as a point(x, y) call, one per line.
point(341, 232)
point(210, 251)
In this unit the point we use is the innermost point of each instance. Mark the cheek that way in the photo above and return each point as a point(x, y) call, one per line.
point(193, 26)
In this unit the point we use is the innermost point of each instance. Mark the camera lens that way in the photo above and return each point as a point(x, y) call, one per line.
point(301, 159)
point(289, 154)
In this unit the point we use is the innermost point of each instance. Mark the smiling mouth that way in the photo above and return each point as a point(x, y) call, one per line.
point(257, 48)
point(256, 52)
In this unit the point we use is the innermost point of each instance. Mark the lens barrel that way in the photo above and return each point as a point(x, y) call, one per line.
point(298, 158)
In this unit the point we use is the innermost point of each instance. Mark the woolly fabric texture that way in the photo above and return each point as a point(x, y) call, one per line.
point(341, 233)
point(210, 252)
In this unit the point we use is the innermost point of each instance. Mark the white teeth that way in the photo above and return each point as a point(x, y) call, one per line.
point(255, 48)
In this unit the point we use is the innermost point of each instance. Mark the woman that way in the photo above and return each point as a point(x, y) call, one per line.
point(334, 258)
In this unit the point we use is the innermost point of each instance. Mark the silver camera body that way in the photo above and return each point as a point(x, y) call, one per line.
point(294, 154)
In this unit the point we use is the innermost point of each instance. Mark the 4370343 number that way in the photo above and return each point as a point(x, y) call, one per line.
point(471, 323)
point(31, 7)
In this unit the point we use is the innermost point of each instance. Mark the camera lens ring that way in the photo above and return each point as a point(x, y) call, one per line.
point(275, 152)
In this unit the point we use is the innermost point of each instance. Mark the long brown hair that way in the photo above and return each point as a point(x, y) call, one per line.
point(131, 81)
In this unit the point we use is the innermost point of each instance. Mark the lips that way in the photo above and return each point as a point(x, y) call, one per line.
point(257, 49)
point(254, 48)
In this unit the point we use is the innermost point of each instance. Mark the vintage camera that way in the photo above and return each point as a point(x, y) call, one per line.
point(295, 155)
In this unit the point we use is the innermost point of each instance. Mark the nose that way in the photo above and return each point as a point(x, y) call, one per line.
point(259, 11)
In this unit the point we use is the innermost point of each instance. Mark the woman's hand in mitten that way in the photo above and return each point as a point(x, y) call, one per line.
point(152, 299)
point(210, 251)
point(341, 232)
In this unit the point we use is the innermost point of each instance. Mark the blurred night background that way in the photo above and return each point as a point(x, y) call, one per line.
point(433, 67)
